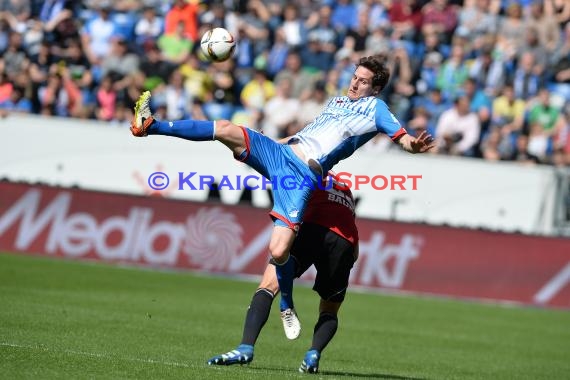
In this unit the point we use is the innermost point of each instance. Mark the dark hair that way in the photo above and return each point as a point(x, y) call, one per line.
point(378, 64)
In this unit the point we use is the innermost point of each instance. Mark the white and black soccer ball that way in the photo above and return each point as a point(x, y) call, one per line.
point(218, 44)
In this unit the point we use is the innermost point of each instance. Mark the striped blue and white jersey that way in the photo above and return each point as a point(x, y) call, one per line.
point(343, 127)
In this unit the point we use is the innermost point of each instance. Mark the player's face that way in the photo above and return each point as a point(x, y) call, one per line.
point(360, 84)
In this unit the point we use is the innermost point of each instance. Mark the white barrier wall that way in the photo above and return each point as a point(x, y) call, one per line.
point(454, 191)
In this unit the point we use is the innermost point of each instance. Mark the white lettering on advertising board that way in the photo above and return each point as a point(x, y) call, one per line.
point(211, 239)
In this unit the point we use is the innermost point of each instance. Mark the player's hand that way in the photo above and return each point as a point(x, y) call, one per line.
point(422, 143)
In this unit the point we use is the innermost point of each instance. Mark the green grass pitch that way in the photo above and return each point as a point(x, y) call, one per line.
point(70, 320)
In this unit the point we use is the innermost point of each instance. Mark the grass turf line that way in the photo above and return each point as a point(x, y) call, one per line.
point(66, 319)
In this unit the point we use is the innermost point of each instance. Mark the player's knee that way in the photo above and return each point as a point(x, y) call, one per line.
point(279, 252)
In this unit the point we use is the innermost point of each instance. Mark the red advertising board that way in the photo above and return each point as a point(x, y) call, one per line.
point(233, 239)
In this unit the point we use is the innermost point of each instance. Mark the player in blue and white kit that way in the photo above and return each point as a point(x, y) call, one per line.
point(346, 123)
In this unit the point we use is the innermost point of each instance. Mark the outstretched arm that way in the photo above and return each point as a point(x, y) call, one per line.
point(420, 144)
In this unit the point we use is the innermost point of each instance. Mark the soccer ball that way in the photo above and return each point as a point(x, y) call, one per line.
point(218, 44)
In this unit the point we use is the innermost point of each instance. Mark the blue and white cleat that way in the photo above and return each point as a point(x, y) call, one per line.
point(311, 362)
point(243, 354)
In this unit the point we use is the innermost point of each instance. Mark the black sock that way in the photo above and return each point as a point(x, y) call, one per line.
point(324, 331)
point(257, 315)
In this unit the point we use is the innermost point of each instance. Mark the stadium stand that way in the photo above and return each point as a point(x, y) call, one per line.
point(509, 59)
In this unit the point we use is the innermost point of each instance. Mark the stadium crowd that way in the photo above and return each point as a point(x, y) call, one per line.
point(488, 78)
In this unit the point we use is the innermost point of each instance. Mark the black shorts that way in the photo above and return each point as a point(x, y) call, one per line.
point(332, 255)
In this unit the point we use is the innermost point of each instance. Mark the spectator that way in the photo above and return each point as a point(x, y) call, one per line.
point(314, 105)
point(405, 18)
point(17, 103)
point(560, 9)
point(32, 37)
point(79, 69)
point(220, 16)
point(123, 115)
point(538, 142)
point(420, 122)
point(14, 58)
point(399, 90)
point(545, 25)
point(344, 16)
point(293, 28)
point(253, 23)
point(493, 147)
point(477, 21)
point(344, 67)
point(378, 41)
point(78, 64)
point(16, 13)
point(561, 156)
point(527, 78)
point(196, 81)
point(224, 94)
point(532, 45)
point(458, 130)
point(258, 91)
point(376, 12)
point(183, 13)
point(149, 27)
point(429, 64)
point(453, 73)
point(436, 105)
point(119, 63)
point(487, 72)
point(57, 17)
point(324, 37)
point(479, 103)
point(543, 113)
point(244, 57)
point(106, 100)
point(302, 80)
point(332, 80)
point(277, 55)
point(510, 36)
point(280, 111)
point(521, 153)
point(440, 17)
point(6, 88)
point(355, 38)
point(197, 111)
point(560, 79)
point(156, 70)
point(135, 85)
point(39, 70)
point(315, 60)
point(175, 46)
point(60, 96)
point(96, 36)
point(178, 100)
point(508, 111)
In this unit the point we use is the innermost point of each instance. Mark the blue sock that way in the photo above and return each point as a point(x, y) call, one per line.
point(285, 275)
point(195, 130)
